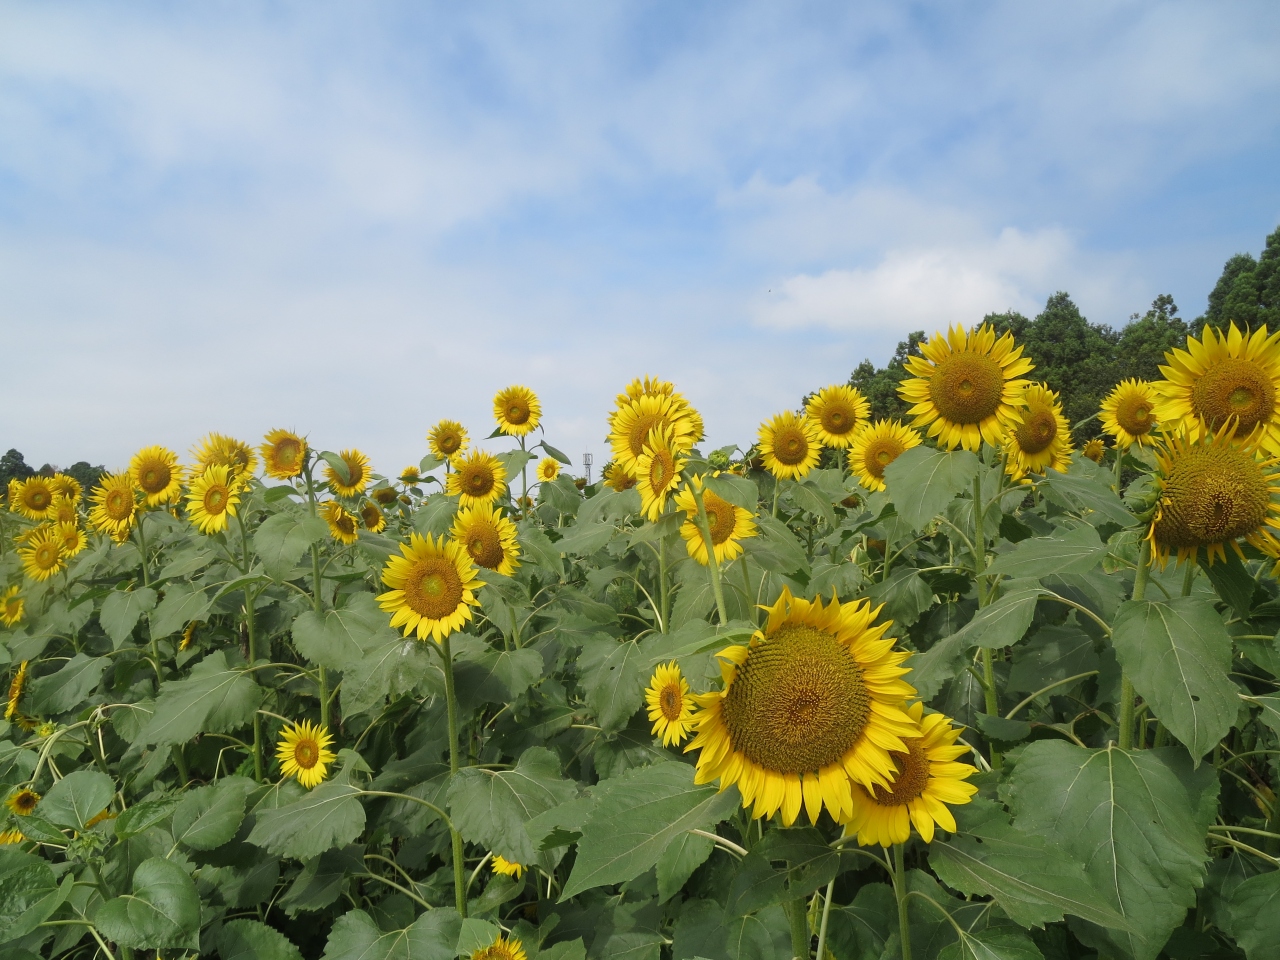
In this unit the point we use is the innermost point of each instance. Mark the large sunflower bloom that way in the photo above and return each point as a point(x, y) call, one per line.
point(1224, 377)
point(928, 778)
point(730, 524)
point(1214, 491)
point(631, 425)
point(16, 686)
point(790, 445)
point(658, 472)
point(517, 411)
point(1128, 413)
point(217, 449)
point(213, 498)
point(12, 607)
point(32, 497)
point(501, 949)
point(876, 446)
point(447, 438)
point(478, 479)
point(283, 454)
point(965, 387)
point(114, 506)
point(42, 555)
point(653, 387)
point(814, 705)
point(489, 538)
point(342, 525)
point(358, 475)
point(433, 587)
point(154, 471)
point(1038, 437)
point(670, 704)
point(838, 411)
point(303, 752)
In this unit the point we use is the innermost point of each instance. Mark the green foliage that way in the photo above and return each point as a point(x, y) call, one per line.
point(1248, 291)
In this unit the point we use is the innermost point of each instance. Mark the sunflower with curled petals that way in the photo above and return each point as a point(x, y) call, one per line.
point(342, 524)
point(839, 411)
point(517, 411)
point(790, 445)
point(670, 704)
point(965, 386)
point(31, 497)
point(433, 587)
point(217, 449)
point(1231, 377)
point(478, 479)
point(283, 454)
point(213, 498)
point(156, 474)
point(632, 423)
point(488, 537)
point(729, 524)
point(1038, 438)
point(1129, 413)
point(658, 472)
point(12, 607)
point(372, 517)
point(1214, 491)
point(928, 778)
point(446, 439)
point(812, 706)
point(357, 476)
point(876, 446)
point(42, 555)
point(114, 506)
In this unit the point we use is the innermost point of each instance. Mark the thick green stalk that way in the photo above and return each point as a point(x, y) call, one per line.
point(664, 587)
point(704, 528)
point(317, 597)
point(900, 892)
point(979, 566)
point(798, 914)
point(250, 622)
point(1119, 466)
point(146, 582)
point(459, 871)
point(1126, 685)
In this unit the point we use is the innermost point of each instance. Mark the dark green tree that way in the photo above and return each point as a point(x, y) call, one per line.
point(1147, 338)
point(87, 474)
point(1248, 291)
point(13, 466)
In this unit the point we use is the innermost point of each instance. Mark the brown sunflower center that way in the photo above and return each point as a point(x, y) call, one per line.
point(306, 753)
point(215, 499)
point(721, 517)
point(912, 778)
point(1234, 387)
point(25, 801)
point(449, 442)
point(1212, 494)
point(662, 470)
point(385, 495)
point(433, 588)
point(799, 701)
point(37, 498)
point(485, 545)
point(790, 446)
point(638, 435)
point(344, 523)
point(119, 505)
point(478, 479)
point(1038, 429)
point(880, 453)
point(1134, 415)
point(967, 387)
point(355, 471)
point(47, 554)
point(1094, 450)
point(671, 701)
point(288, 453)
point(517, 412)
point(154, 478)
point(838, 418)
point(620, 480)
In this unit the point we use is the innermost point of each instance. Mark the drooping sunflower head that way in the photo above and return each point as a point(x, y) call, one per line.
point(658, 472)
point(501, 949)
point(16, 685)
point(517, 411)
point(617, 477)
point(507, 868)
point(876, 446)
point(548, 469)
point(371, 515)
point(22, 801)
point(632, 423)
point(477, 478)
point(63, 510)
point(384, 496)
point(303, 752)
point(284, 454)
point(10, 837)
point(1129, 413)
point(1224, 378)
point(31, 497)
point(433, 587)
point(838, 411)
point(1214, 491)
point(488, 537)
point(66, 486)
point(12, 607)
point(114, 506)
point(71, 538)
point(446, 439)
point(729, 524)
point(213, 498)
point(814, 704)
point(356, 466)
point(670, 704)
point(965, 386)
point(42, 555)
point(154, 471)
point(1094, 449)
point(218, 449)
point(790, 445)
point(342, 524)
point(1038, 437)
point(928, 777)
point(189, 634)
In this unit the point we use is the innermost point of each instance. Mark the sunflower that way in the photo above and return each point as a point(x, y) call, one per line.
point(447, 438)
point(927, 779)
point(505, 867)
point(213, 498)
point(617, 477)
point(876, 446)
point(1128, 413)
point(70, 538)
point(965, 387)
point(646, 386)
point(63, 510)
point(32, 497)
point(410, 476)
point(154, 471)
point(729, 524)
point(548, 469)
point(1224, 377)
point(815, 704)
point(42, 555)
point(477, 479)
point(303, 752)
point(342, 525)
point(65, 486)
point(670, 704)
point(8, 837)
point(189, 634)
point(1039, 437)
point(1094, 449)
point(488, 537)
point(501, 949)
point(658, 472)
point(517, 411)
point(114, 506)
point(631, 425)
point(790, 445)
point(22, 801)
point(433, 587)
point(357, 478)
point(371, 515)
point(1214, 491)
point(217, 449)
point(16, 686)
point(838, 411)
point(384, 496)
point(283, 454)
point(12, 607)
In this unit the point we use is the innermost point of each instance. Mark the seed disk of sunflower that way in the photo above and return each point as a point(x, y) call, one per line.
point(790, 445)
point(838, 417)
point(1038, 429)
point(477, 479)
point(662, 467)
point(880, 453)
point(1234, 387)
point(484, 545)
point(671, 702)
point(432, 588)
point(912, 778)
point(1212, 495)
point(720, 517)
point(967, 387)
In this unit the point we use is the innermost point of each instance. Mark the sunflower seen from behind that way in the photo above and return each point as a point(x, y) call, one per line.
point(478, 479)
point(284, 454)
point(838, 411)
point(114, 506)
point(212, 499)
point(12, 606)
point(42, 555)
point(488, 537)
point(357, 474)
point(658, 472)
point(433, 587)
point(813, 705)
point(670, 704)
point(1038, 437)
point(729, 524)
point(876, 446)
point(517, 411)
point(928, 778)
point(965, 386)
point(790, 445)
point(342, 524)
point(31, 497)
point(548, 469)
point(1128, 413)
point(445, 440)
point(303, 752)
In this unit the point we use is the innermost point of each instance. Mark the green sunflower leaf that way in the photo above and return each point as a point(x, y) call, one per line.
point(922, 481)
point(163, 910)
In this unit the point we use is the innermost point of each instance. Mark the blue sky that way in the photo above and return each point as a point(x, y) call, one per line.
point(355, 219)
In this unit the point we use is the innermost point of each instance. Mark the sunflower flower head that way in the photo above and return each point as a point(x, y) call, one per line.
point(31, 497)
point(877, 445)
point(502, 948)
point(114, 506)
point(507, 868)
point(670, 704)
point(631, 425)
point(66, 486)
point(71, 538)
point(213, 498)
point(217, 449)
point(1129, 413)
point(155, 473)
point(478, 478)
point(548, 469)
point(357, 475)
point(790, 445)
point(371, 515)
point(729, 524)
point(410, 476)
point(1094, 449)
point(838, 411)
point(22, 802)
point(517, 411)
point(343, 526)
point(303, 752)
point(16, 686)
point(658, 472)
point(433, 587)
point(283, 454)
point(617, 478)
point(12, 606)
point(488, 537)
point(42, 555)
point(189, 634)
point(9, 837)
point(1038, 437)
point(445, 440)
point(63, 510)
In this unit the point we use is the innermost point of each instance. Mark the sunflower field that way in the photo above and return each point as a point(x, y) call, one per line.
point(945, 688)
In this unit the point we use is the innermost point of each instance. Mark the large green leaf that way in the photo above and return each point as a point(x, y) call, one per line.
point(491, 807)
point(776, 548)
point(328, 816)
point(162, 911)
point(683, 855)
point(1002, 624)
point(999, 944)
point(1066, 552)
point(282, 540)
point(1084, 491)
point(209, 816)
point(1136, 820)
point(614, 675)
point(66, 689)
point(637, 815)
point(340, 636)
point(141, 817)
point(1270, 711)
point(433, 936)
point(182, 604)
point(1178, 655)
point(251, 940)
point(77, 798)
point(905, 596)
point(922, 481)
point(31, 894)
point(121, 610)
point(740, 491)
point(212, 699)
point(1255, 915)
point(390, 665)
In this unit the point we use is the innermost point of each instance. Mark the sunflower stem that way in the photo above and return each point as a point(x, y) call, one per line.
point(979, 565)
point(826, 916)
point(524, 490)
point(1187, 579)
point(1119, 466)
point(798, 914)
point(664, 588)
point(1126, 685)
point(317, 597)
point(900, 892)
point(705, 528)
point(146, 582)
point(451, 699)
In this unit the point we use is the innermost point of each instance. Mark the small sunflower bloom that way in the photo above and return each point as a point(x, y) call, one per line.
point(16, 686)
point(31, 497)
point(63, 510)
point(358, 475)
point(876, 446)
point(371, 515)
point(505, 867)
point(488, 537)
point(9, 837)
point(155, 473)
point(217, 449)
point(65, 486)
point(445, 440)
point(42, 555)
point(213, 498)
point(433, 587)
point(729, 524)
point(548, 469)
point(1129, 413)
point(283, 454)
point(114, 506)
point(838, 411)
point(501, 949)
point(1038, 437)
point(617, 478)
point(12, 607)
point(410, 476)
point(22, 802)
point(478, 479)
point(790, 445)
point(517, 411)
point(670, 704)
point(1094, 450)
point(303, 752)
point(342, 524)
